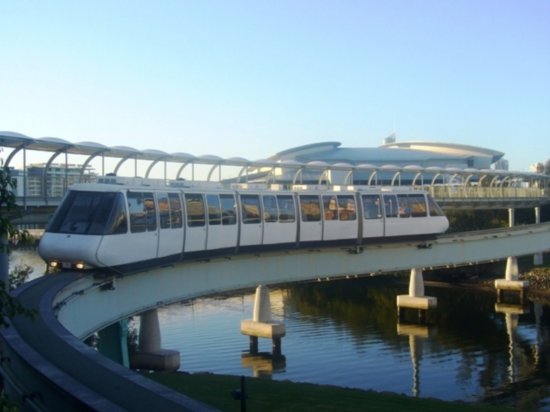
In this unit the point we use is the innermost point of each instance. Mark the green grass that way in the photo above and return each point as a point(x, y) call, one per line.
point(266, 395)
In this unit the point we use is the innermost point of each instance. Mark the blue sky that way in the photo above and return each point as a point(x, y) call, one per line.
point(251, 78)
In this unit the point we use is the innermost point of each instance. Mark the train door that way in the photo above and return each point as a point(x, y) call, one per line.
point(279, 216)
point(143, 226)
point(373, 222)
point(222, 222)
point(340, 217)
point(251, 220)
point(391, 214)
point(311, 226)
point(170, 224)
point(195, 231)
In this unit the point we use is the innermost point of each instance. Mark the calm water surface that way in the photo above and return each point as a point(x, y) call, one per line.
point(346, 333)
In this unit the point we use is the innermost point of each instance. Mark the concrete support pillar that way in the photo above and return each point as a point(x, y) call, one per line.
point(511, 217)
point(150, 355)
point(416, 283)
point(537, 257)
point(262, 305)
point(149, 332)
point(511, 280)
point(416, 299)
point(512, 271)
point(113, 342)
point(261, 325)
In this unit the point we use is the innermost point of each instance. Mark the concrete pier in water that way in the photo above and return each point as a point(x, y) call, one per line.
point(511, 280)
point(416, 299)
point(261, 324)
point(150, 355)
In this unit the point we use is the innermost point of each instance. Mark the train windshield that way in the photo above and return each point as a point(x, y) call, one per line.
point(435, 210)
point(90, 213)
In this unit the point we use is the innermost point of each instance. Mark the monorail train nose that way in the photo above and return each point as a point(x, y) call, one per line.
point(64, 251)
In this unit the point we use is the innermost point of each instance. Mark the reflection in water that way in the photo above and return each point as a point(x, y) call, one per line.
point(263, 363)
point(417, 334)
point(511, 314)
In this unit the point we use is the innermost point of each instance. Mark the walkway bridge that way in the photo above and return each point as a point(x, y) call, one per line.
point(47, 366)
point(43, 185)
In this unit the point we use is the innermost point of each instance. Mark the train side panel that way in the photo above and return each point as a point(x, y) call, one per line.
point(279, 219)
point(339, 217)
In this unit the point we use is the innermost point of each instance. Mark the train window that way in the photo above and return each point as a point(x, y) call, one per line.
point(138, 212)
point(330, 206)
point(214, 210)
point(195, 209)
point(390, 205)
point(346, 207)
point(229, 217)
point(371, 207)
point(310, 208)
point(270, 208)
point(418, 206)
point(151, 213)
point(164, 210)
point(250, 206)
point(404, 208)
point(287, 212)
point(90, 213)
point(118, 221)
point(175, 210)
point(434, 208)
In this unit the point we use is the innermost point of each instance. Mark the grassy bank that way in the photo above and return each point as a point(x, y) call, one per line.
point(266, 395)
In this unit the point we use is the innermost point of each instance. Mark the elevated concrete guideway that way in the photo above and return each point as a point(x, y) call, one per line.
point(47, 367)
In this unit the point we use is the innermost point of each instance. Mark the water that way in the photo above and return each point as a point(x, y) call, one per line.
point(346, 333)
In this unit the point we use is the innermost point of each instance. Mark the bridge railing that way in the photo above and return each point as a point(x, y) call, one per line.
point(476, 192)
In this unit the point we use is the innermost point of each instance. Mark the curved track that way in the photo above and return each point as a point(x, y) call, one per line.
point(47, 367)
point(69, 374)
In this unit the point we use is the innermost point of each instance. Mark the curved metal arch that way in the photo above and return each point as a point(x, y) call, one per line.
point(347, 178)
point(211, 171)
point(153, 163)
point(245, 169)
point(468, 178)
point(506, 179)
point(87, 162)
point(45, 174)
point(482, 178)
point(419, 174)
point(16, 150)
point(298, 173)
point(493, 181)
point(324, 174)
point(396, 176)
point(436, 175)
point(121, 161)
point(373, 175)
point(453, 177)
point(183, 166)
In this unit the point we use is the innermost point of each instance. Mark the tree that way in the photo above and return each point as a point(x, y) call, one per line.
point(9, 306)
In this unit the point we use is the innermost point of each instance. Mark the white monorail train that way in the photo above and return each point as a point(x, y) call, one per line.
point(129, 228)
